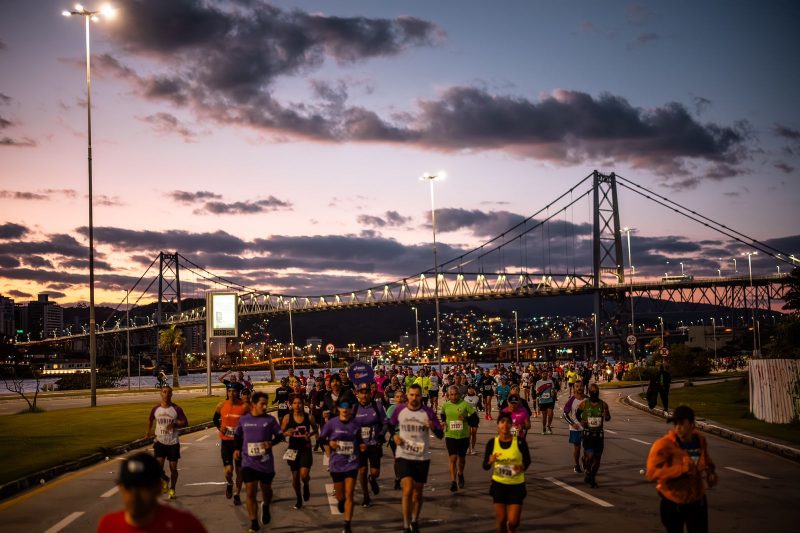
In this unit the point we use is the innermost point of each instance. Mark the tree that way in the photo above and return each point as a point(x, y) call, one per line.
point(16, 384)
point(171, 340)
point(792, 297)
point(268, 353)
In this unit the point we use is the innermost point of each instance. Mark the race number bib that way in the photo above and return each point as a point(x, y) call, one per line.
point(366, 432)
point(290, 455)
point(595, 422)
point(326, 460)
point(514, 431)
point(504, 470)
point(392, 401)
point(283, 406)
point(345, 448)
point(456, 425)
point(256, 449)
point(414, 448)
point(229, 431)
point(545, 395)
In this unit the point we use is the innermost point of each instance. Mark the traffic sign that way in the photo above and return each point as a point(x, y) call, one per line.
point(664, 351)
point(631, 340)
point(330, 348)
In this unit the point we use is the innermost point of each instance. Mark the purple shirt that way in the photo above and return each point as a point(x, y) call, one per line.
point(371, 419)
point(255, 432)
point(348, 436)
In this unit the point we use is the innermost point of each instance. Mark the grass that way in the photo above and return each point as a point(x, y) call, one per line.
point(150, 389)
point(729, 404)
point(35, 441)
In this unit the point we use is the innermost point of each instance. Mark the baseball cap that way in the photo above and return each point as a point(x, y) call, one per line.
point(247, 391)
point(513, 398)
point(344, 405)
point(681, 413)
point(235, 385)
point(363, 386)
point(504, 416)
point(140, 470)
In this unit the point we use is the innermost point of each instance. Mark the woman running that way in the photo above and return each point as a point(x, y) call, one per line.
point(299, 427)
point(509, 457)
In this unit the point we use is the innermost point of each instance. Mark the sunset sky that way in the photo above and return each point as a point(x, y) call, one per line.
point(281, 143)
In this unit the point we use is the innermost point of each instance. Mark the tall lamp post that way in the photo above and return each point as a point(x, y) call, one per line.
point(714, 331)
point(756, 350)
point(516, 334)
point(430, 178)
point(630, 283)
point(89, 15)
point(416, 326)
point(661, 319)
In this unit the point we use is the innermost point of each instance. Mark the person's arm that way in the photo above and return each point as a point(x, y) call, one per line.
point(659, 463)
point(181, 420)
point(150, 419)
point(314, 428)
point(285, 422)
point(526, 453)
point(606, 412)
point(488, 457)
point(218, 416)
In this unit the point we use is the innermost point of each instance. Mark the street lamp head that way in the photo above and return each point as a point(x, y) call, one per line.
point(108, 11)
point(79, 7)
point(429, 176)
point(66, 13)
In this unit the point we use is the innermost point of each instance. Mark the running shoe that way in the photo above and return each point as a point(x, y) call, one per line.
point(453, 487)
point(544, 432)
point(340, 506)
point(171, 494)
point(298, 504)
point(164, 486)
point(306, 492)
point(461, 481)
point(414, 527)
point(237, 500)
point(577, 469)
point(265, 516)
point(373, 484)
point(229, 490)
point(367, 501)
point(594, 484)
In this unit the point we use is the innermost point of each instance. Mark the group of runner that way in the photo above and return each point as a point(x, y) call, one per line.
point(351, 424)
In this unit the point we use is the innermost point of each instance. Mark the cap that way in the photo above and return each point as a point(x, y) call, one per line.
point(504, 416)
point(235, 385)
point(513, 398)
point(247, 391)
point(363, 386)
point(681, 413)
point(140, 470)
point(344, 405)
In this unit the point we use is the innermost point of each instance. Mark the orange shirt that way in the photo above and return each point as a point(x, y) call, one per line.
point(229, 418)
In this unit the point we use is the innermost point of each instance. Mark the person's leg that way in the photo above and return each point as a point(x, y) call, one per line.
point(462, 462)
point(588, 460)
point(266, 497)
point(407, 483)
point(164, 479)
point(514, 515)
point(296, 487)
point(173, 474)
point(374, 474)
point(305, 477)
point(417, 499)
point(228, 471)
point(696, 515)
point(550, 419)
point(251, 491)
point(576, 452)
point(473, 437)
point(349, 489)
point(237, 467)
point(500, 517)
point(362, 478)
point(671, 516)
point(451, 459)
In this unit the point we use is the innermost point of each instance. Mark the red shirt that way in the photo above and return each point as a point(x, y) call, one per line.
point(167, 520)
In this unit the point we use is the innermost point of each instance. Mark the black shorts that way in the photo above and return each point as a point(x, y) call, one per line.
point(593, 442)
point(305, 458)
point(507, 494)
point(338, 477)
point(545, 406)
point(372, 456)
point(172, 452)
point(457, 446)
point(250, 475)
point(416, 470)
point(226, 449)
point(433, 394)
point(487, 393)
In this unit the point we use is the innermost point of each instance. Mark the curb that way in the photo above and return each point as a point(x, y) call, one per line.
point(19, 485)
point(786, 452)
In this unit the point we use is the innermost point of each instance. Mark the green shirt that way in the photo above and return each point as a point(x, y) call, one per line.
point(455, 415)
point(409, 381)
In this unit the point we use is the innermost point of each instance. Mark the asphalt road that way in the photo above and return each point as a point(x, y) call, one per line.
point(757, 490)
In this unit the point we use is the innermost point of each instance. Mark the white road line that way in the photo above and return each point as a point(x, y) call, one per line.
point(641, 441)
point(204, 437)
point(110, 492)
point(746, 473)
point(598, 501)
point(609, 431)
point(332, 501)
point(64, 523)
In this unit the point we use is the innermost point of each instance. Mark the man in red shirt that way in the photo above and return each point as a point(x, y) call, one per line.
point(140, 486)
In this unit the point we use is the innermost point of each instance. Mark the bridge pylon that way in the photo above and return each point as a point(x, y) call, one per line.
point(169, 290)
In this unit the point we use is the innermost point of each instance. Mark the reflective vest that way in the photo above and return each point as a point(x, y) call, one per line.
point(506, 459)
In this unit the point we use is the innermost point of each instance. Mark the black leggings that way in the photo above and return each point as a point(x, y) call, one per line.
point(693, 515)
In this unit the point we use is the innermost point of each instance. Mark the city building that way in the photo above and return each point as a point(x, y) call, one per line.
point(7, 322)
point(45, 318)
point(704, 336)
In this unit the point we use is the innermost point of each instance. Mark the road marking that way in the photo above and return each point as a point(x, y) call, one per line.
point(610, 431)
point(110, 492)
point(332, 501)
point(206, 483)
point(64, 523)
point(204, 437)
point(641, 441)
point(746, 473)
point(598, 501)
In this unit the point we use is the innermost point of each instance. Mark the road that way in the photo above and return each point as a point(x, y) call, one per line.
point(757, 490)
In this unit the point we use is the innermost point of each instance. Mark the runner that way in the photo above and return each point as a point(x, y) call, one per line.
point(509, 457)
point(281, 398)
point(593, 413)
point(458, 417)
point(677, 463)
point(474, 400)
point(168, 417)
point(343, 435)
point(546, 396)
point(434, 390)
point(575, 427)
point(520, 416)
point(414, 423)
point(487, 385)
point(139, 485)
point(371, 417)
point(299, 427)
point(256, 434)
point(226, 419)
point(399, 398)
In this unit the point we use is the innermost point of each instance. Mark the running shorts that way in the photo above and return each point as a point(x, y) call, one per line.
point(226, 449)
point(338, 477)
point(457, 446)
point(305, 458)
point(507, 494)
point(416, 470)
point(250, 475)
point(593, 442)
point(575, 437)
point(372, 457)
point(172, 452)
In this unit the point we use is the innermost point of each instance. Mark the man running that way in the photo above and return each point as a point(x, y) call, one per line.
point(281, 398)
point(168, 417)
point(487, 385)
point(226, 419)
point(399, 399)
point(458, 416)
point(546, 395)
point(575, 427)
point(371, 417)
point(414, 423)
point(593, 413)
point(255, 436)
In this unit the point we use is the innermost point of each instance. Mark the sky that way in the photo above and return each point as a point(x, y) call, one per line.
point(280, 144)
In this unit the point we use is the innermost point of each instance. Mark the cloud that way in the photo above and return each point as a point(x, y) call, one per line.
point(41, 194)
point(784, 167)
point(19, 294)
point(187, 197)
point(108, 201)
point(701, 104)
point(57, 244)
point(390, 218)
point(37, 261)
point(167, 123)
point(83, 264)
point(5, 123)
point(10, 230)
point(153, 241)
point(786, 132)
point(54, 295)
point(24, 142)
point(494, 223)
point(247, 207)
point(637, 14)
point(5, 99)
point(643, 39)
point(8, 261)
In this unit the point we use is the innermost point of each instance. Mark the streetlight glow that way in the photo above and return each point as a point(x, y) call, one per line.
point(427, 176)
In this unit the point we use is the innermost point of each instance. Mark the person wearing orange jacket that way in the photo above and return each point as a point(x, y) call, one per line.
point(681, 468)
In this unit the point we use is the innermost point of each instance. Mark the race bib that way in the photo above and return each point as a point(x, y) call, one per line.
point(326, 460)
point(504, 470)
point(456, 425)
point(283, 406)
point(344, 448)
point(545, 395)
point(229, 431)
point(414, 448)
point(366, 432)
point(392, 401)
point(290, 455)
point(595, 421)
point(256, 449)
point(514, 431)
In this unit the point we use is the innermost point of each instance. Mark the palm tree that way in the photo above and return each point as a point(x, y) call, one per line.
point(171, 340)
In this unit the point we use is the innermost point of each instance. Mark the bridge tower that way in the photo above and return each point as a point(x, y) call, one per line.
point(607, 252)
point(169, 289)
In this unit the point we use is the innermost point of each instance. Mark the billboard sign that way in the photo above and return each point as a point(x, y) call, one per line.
point(222, 314)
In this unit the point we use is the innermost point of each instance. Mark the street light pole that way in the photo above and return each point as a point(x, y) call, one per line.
point(661, 319)
point(93, 16)
point(630, 284)
point(714, 331)
point(756, 350)
point(416, 325)
point(128, 334)
point(516, 334)
point(291, 332)
point(431, 178)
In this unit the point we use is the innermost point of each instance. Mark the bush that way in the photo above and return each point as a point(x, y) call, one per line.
point(684, 362)
point(647, 373)
point(107, 378)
